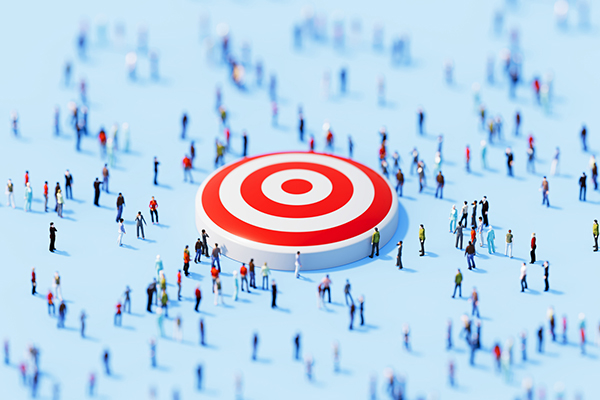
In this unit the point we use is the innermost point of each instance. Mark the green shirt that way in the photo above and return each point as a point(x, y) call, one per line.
point(509, 237)
point(458, 278)
point(375, 237)
point(596, 230)
point(422, 234)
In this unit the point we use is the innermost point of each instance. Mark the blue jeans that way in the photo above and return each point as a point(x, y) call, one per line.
point(217, 260)
point(470, 260)
point(440, 190)
point(119, 212)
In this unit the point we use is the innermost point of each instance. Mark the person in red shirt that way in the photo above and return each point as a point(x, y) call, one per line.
point(244, 275)
point(26, 177)
point(198, 294)
point(186, 260)
point(153, 210)
point(497, 355)
point(468, 158)
point(46, 196)
point(118, 314)
point(311, 143)
point(33, 281)
point(214, 272)
point(102, 140)
point(50, 298)
point(473, 236)
point(179, 285)
point(187, 169)
point(533, 247)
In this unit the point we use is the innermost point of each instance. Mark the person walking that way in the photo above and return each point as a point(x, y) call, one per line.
point(153, 209)
point(347, 294)
point(465, 213)
point(509, 244)
point(491, 236)
point(533, 247)
point(178, 285)
point(509, 161)
point(10, 194)
point(546, 267)
point(440, 185)
point(458, 284)
point(139, 224)
point(475, 302)
point(595, 232)
point(251, 270)
point(28, 197)
point(60, 202)
point(265, 271)
point(523, 277)
point(187, 169)
point(244, 277)
point(121, 232)
point(205, 243)
point(485, 208)
point(326, 287)
point(422, 239)
point(470, 254)
point(198, 248)
point(156, 164)
point(399, 182)
point(361, 308)
point(118, 315)
point(46, 196)
point(62, 314)
point(352, 311)
point(214, 257)
point(453, 218)
point(33, 282)
point(53, 231)
point(97, 185)
point(375, 243)
point(120, 205)
point(150, 291)
point(582, 187)
point(399, 255)
point(50, 299)
point(105, 175)
point(480, 232)
point(69, 185)
point(545, 190)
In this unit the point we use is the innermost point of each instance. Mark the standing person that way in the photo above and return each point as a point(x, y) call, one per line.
point(127, 300)
point(68, 185)
point(457, 284)
point(150, 291)
point(509, 161)
point(97, 185)
point(46, 196)
point(156, 164)
point(420, 119)
point(187, 169)
point(121, 232)
point(254, 345)
point(485, 208)
point(468, 159)
point(298, 265)
point(53, 231)
point(198, 295)
point(244, 144)
point(120, 205)
point(554, 165)
point(545, 189)
point(470, 253)
point(265, 271)
point(352, 311)
point(184, 122)
point(153, 209)
point(252, 273)
point(595, 232)
point(105, 176)
point(583, 137)
point(480, 232)
point(347, 294)
point(10, 194)
point(422, 239)
point(475, 302)
point(244, 277)
point(375, 243)
point(217, 288)
point(205, 243)
point(440, 185)
point(28, 197)
point(198, 248)
point(118, 315)
point(533, 247)
point(301, 124)
point(483, 154)
point(62, 314)
point(186, 260)
point(50, 298)
point(351, 151)
point(491, 236)
point(582, 187)
point(582, 331)
point(399, 182)
point(509, 244)
point(326, 286)
point(57, 287)
point(273, 294)
point(399, 255)
point(82, 318)
point(214, 257)
point(164, 302)
point(453, 218)
point(361, 308)
point(474, 215)
point(523, 277)
point(33, 282)
point(297, 346)
point(546, 267)
point(60, 201)
point(458, 231)
point(465, 213)
point(139, 223)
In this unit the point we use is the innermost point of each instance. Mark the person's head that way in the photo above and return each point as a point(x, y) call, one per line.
point(297, 252)
point(105, 165)
point(26, 172)
point(186, 246)
point(458, 270)
point(46, 182)
point(252, 260)
point(421, 226)
point(469, 242)
point(595, 221)
point(544, 178)
point(139, 213)
point(121, 220)
point(533, 235)
point(216, 244)
point(203, 231)
point(198, 239)
point(120, 194)
point(327, 276)
point(481, 219)
point(523, 264)
point(465, 202)
point(509, 231)
point(376, 230)
point(400, 243)
point(485, 197)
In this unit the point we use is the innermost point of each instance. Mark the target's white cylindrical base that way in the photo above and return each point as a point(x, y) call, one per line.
point(269, 207)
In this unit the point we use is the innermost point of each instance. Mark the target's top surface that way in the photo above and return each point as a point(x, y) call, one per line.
point(271, 206)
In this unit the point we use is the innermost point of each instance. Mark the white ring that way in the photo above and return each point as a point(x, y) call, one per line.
point(272, 187)
point(231, 197)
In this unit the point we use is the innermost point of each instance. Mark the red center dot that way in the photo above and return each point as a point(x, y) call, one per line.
point(296, 186)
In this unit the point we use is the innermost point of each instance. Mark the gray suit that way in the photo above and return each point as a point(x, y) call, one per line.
point(459, 235)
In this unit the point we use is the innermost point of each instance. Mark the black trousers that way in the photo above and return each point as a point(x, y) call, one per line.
point(374, 249)
point(422, 247)
point(96, 197)
point(149, 306)
point(532, 253)
point(485, 220)
point(52, 241)
point(459, 238)
point(595, 243)
point(328, 290)
point(464, 218)
point(154, 213)
point(197, 304)
point(547, 284)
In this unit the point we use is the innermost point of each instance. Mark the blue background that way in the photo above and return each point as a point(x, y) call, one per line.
point(38, 37)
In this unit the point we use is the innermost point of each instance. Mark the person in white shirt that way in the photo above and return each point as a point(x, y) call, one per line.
point(298, 265)
point(523, 277)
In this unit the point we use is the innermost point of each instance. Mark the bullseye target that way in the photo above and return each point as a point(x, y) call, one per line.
point(271, 206)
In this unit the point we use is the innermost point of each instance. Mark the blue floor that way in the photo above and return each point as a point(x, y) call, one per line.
point(39, 38)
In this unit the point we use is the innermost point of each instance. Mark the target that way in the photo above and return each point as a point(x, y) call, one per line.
point(271, 206)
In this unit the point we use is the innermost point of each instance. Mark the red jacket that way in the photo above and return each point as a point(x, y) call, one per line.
point(178, 277)
point(243, 271)
point(153, 205)
point(45, 189)
point(186, 256)
point(473, 233)
point(198, 294)
point(214, 272)
point(187, 163)
point(118, 308)
point(532, 242)
point(50, 297)
point(26, 179)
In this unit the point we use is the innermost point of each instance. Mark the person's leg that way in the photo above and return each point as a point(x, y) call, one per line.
point(460, 290)
point(454, 293)
point(377, 249)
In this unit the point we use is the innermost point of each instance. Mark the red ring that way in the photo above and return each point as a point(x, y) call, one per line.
point(296, 186)
point(253, 196)
point(376, 212)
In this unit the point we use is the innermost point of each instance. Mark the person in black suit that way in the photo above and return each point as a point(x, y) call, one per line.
point(582, 186)
point(485, 206)
point(399, 256)
point(97, 184)
point(53, 231)
point(546, 275)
